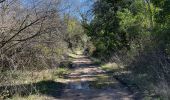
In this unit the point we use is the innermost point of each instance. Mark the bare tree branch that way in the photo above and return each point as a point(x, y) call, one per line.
point(22, 29)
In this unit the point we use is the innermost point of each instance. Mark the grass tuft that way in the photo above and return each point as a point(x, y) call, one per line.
point(110, 67)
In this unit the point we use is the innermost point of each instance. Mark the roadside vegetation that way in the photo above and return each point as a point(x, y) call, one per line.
point(36, 37)
point(39, 39)
point(131, 37)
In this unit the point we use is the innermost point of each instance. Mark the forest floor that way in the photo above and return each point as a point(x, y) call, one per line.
point(88, 81)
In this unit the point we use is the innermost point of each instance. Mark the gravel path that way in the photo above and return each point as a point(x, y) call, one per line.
point(79, 87)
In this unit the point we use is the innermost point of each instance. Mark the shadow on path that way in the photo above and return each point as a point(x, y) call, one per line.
point(49, 88)
point(88, 82)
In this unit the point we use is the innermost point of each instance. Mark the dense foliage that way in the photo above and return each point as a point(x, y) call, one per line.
point(138, 30)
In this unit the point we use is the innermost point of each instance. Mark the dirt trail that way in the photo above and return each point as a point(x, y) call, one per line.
point(89, 82)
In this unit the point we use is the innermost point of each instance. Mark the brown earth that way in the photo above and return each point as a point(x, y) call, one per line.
point(89, 82)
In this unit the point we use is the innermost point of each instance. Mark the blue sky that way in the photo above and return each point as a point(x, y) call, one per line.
point(75, 6)
point(78, 6)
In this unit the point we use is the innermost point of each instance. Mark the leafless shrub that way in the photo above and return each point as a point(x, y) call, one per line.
point(31, 38)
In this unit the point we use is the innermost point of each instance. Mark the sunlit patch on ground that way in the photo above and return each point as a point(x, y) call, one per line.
point(90, 82)
point(86, 81)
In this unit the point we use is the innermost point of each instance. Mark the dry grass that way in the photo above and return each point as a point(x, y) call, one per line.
point(19, 78)
point(110, 67)
point(26, 77)
point(32, 97)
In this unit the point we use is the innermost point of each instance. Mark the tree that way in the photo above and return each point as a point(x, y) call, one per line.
point(76, 38)
point(113, 24)
point(34, 31)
